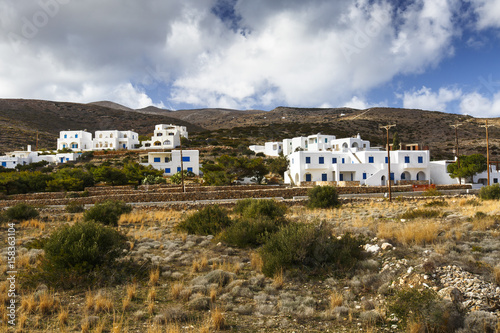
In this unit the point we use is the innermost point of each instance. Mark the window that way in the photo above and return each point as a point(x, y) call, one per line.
point(324, 177)
point(186, 158)
point(167, 170)
point(190, 169)
point(403, 176)
point(341, 177)
point(4, 164)
point(67, 159)
point(167, 159)
point(326, 140)
point(386, 160)
point(308, 177)
point(293, 161)
point(321, 160)
point(495, 180)
point(76, 136)
point(334, 160)
point(420, 159)
point(407, 159)
point(157, 159)
point(343, 160)
point(178, 169)
point(74, 145)
point(370, 159)
point(65, 136)
point(392, 175)
point(364, 175)
point(308, 160)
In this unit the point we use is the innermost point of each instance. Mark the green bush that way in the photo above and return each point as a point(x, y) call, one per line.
point(420, 213)
point(74, 207)
point(209, 221)
point(299, 244)
point(257, 208)
point(20, 212)
point(249, 232)
point(108, 212)
point(426, 308)
point(84, 246)
point(323, 197)
point(491, 192)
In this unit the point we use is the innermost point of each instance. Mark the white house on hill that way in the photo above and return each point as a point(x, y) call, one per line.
point(170, 162)
point(75, 140)
point(113, 139)
point(166, 137)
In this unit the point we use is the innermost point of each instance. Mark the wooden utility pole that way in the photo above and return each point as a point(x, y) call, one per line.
point(386, 127)
point(457, 155)
point(487, 150)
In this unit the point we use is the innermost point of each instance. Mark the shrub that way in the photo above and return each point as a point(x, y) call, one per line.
point(84, 245)
point(420, 213)
point(491, 192)
point(246, 232)
point(20, 212)
point(323, 197)
point(74, 207)
point(209, 221)
point(425, 308)
point(257, 208)
point(298, 244)
point(431, 192)
point(436, 203)
point(107, 213)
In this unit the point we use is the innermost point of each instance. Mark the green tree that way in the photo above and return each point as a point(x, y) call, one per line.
point(107, 213)
point(110, 175)
point(279, 165)
point(396, 143)
point(469, 166)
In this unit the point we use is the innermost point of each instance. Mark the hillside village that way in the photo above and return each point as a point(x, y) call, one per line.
point(315, 159)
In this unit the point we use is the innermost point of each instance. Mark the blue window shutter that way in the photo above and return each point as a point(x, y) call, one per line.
point(186, 158)
point(364, 175)
point(167, 170)
point(334, 160)
point(420, 159)
point(321, 160)
point(76, 136)
point(190, 169)
point(341, 177)
point(392, 175)
point(370, 159)
point(403, 176)
point(343, 160)
point(407, 159)
point(157, 160)
point(308, 177)
point(4, 164)
point(386, 160)
point(308, 160)
point(324, 177)
point(178, 169)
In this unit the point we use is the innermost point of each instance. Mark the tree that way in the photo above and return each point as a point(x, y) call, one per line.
point(110, 175)
point(396, 143)
point(469, 166)
point(279, 165)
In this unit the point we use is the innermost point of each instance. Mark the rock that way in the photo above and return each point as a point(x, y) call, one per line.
point(386, 246)
point(246, 309)
point(219, 276)
point(371, 317)
point(371, 248)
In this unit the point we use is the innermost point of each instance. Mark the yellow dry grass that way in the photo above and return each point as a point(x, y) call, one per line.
point(154, 276)
point(218, 320)
point(175, 289)
point(279, 279)
point(256, 261)
point(336, 299)
point(410, 233)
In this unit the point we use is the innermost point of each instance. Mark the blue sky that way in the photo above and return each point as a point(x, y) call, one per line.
point(438, 55)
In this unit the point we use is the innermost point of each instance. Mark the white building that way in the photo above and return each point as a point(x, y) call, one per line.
point(23, 157)
point(75, 140)
point(316, 142)
point(170, 162)
point(115, 140)
point(365, 167)
point(166, 137)
point(269, 149)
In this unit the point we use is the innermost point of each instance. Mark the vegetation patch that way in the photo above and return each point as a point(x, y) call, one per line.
point(420, 213)
point(107, 213)
point(323, 197)
point(491, 192)
point(208, 221)
point(20, 212)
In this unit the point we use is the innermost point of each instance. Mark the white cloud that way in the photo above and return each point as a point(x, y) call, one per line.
point(426, 99)
point(488, 12)
point(478, 105)
point(357, 103)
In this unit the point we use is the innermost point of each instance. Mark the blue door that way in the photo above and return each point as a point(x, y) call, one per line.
point(308, 177)
point(324, 177)
point(341, 177)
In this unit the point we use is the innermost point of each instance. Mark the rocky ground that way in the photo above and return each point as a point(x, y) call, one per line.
point(198, 284)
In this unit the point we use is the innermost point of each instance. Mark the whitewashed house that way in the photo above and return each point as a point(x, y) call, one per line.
point(166, 137)
point(75, 140)
point(115, 140)
point(23, 157)
point(316, 142)
point(269, 149)
point(170, 162)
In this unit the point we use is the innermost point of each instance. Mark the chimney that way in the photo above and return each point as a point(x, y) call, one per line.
point(29, 148)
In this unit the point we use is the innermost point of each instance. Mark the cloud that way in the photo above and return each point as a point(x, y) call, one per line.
point(225, 53)
point(479, 105)
point(426, 99)
point(488, 12)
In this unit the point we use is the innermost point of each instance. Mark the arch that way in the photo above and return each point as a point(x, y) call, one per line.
point(355, 145)
point(147, 145)
point(406, 176)
point(167, 143)
point(157, 143)
point(382, 180)
point(345, 145)
point(73, 145)
point(421, 175)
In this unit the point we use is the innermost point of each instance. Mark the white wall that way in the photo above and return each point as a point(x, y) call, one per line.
point(170, 162)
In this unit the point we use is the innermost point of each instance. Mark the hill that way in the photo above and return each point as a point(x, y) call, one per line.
point(21, 119)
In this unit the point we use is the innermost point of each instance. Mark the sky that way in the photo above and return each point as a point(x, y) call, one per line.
point(439, 55)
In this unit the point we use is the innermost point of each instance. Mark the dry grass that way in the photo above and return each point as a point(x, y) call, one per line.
point(154, 276)
point(47, 303)
point(227, 266)
point(279, 279)
point(21, 324)
point(172, 328)
point(256, 261)
point(213, 295)
point(410, 233)
point(62, 317)
point(217, 319)
point(89, 301)
point(28, 303)
point(126, 302)
point(175, 289)
point(151, 307)
point(336, 299)
point(103, 303)
point(33, 223)
point(117, 326)
point(496, 274)
point(131, 291)
point(152, 295)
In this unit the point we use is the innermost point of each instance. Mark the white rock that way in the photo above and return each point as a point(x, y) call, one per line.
point(386, 246)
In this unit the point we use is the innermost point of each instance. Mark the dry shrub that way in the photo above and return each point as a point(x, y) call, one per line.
point(126, 303)
point(62, 317)
point(218, 321)
point(47, 303)
point(152, 295)
point(131, 290)
point(151, 307)
point(28, 303)
point(117, 325)
point(175, 289)
point(89, 301)
point(336, 299)
point(278, 279)
point(256, 261)
point(103, 303)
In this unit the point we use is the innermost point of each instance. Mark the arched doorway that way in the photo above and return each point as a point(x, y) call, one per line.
point(406, 176)
point(355, 145)
point(382, 180)
point(421, 175)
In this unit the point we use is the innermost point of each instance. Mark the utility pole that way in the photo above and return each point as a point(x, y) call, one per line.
point(386, 127)
point(182, 166)
point(457, 155)
point(487, 149)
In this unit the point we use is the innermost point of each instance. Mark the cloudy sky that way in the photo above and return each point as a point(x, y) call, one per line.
point(439, 55)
